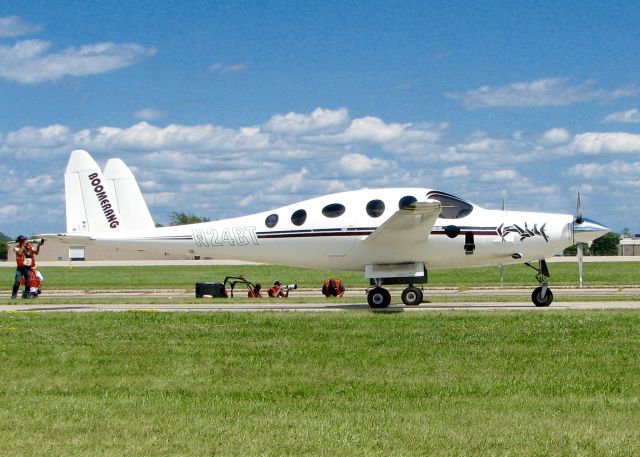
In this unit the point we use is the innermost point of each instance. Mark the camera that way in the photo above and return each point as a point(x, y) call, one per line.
point(36, 241)
point(290, 287)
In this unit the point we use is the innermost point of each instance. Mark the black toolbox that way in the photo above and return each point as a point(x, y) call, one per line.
point(210, 289)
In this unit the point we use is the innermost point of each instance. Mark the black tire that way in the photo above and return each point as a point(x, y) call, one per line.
point(412, 296)
point(539, 300)
point(378, 297)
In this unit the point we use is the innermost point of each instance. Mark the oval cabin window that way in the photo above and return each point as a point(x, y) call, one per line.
point(299, 217)
point(406, 201)
point(271, 220)
point(333, 210)
point(375, 208)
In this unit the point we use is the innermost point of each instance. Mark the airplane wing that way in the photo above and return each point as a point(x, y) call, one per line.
point(408, 225)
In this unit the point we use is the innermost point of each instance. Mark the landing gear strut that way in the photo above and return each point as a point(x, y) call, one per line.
point(541, 296)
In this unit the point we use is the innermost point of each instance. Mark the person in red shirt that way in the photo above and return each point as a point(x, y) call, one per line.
point(25, 261)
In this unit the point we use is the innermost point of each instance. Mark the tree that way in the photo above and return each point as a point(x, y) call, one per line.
point(606, 244)
point(182, 218)
point(3, 246)
point(572, 251)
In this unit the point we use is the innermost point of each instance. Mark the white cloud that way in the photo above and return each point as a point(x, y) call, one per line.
point(456, 172)
point(542, 92)
point(320, 120)
point(360, 164)
point(9, 211)
point(13, 26)
point(223, 69)
point(499, 175)
point(406, 140)
point(556, 136)
point(612, 171)
point(631, 116)
point(149, 114)
point(291, 182)
point(174, 136)
point(31, 62)
point(606, 142)
point(46, 137)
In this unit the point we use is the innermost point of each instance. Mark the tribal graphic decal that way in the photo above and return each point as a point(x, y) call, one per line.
point(525, 232)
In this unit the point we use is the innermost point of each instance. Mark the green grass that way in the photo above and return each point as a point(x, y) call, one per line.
point(356, 384)
point(184, 277)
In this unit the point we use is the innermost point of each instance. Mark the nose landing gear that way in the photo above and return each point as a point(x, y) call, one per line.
point(541, 296)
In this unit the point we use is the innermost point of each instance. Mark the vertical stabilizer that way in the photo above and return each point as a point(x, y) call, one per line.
point(89, 201)
point(128, 198)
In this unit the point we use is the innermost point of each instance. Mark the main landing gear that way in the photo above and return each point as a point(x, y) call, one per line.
point(398, 273)
point(541, 296)
point(379, 297)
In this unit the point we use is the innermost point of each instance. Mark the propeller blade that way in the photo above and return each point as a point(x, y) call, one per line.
point(579, 218)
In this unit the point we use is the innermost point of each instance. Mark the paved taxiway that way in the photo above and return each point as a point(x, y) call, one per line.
point(324, 306)
point(166, 300)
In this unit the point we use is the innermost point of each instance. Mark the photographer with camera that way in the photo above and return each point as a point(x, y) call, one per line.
point(277, 291)
point(25, 262)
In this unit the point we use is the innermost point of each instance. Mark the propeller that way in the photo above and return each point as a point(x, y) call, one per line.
point(580, 246)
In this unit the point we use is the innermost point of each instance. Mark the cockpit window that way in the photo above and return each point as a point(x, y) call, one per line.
point(406, 201)
point(452, 207)
point(299, 217)
point(333, 210)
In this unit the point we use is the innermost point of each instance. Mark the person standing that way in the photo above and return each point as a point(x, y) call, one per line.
point(25, 261)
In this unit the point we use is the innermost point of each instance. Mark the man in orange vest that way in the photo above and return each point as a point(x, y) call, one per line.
point(25, 261)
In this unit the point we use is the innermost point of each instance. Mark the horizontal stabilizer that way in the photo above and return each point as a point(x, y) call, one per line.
point(408, 225)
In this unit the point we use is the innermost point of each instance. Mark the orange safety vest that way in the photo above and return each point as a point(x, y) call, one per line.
point(337, 282)
point(23, 253)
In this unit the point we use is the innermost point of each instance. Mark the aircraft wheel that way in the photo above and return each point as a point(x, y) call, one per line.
point(412, 296)
point(379, 297)
point(539, 300)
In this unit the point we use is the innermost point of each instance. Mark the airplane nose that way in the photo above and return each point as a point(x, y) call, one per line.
point(587, 230)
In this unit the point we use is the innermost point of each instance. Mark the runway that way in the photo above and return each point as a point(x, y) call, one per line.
point(326, 306)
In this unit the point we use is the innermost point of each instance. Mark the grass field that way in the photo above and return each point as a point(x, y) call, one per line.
point(184, 277)
point(357, 384)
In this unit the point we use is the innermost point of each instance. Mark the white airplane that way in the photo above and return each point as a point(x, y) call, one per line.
point(394, 236)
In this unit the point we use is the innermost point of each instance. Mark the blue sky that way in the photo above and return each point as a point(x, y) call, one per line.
point(228, 108)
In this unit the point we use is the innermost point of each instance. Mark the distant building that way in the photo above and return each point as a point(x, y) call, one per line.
point(629, 246)
point(54, 250)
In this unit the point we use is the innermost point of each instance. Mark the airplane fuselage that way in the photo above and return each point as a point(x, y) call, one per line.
point(330, 232)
